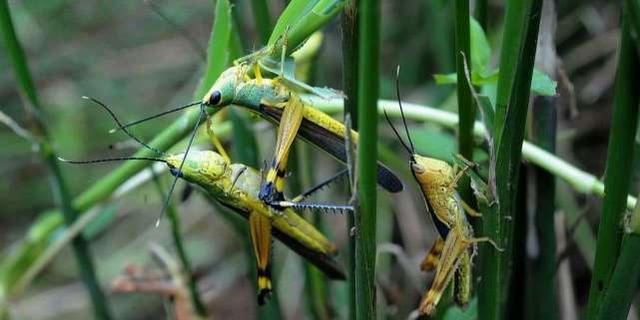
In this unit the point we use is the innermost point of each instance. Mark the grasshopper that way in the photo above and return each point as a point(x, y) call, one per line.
point(274, 101)
point(453, 250)
point(236, 186)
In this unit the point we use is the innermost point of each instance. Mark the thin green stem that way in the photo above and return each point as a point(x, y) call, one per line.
point(579, 180)
point(521, 34)
point(60, 190)
point(466, 105)
point(540, 281)
point(350, 87)
point(619, 164)
point(365, 222)
point(624, 281)
point(176, 235)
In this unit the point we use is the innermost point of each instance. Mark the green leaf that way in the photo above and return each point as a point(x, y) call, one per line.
point(218, 50)
point(541, 84)
point(480, 49)
point(457, 313)
point(300, 19)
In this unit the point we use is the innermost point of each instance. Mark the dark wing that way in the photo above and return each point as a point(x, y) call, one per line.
point(334, 145)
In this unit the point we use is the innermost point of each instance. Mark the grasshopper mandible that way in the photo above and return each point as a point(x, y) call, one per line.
point(455, 245)
point(236, 186)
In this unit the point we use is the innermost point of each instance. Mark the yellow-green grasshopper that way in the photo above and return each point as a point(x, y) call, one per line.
point(456, 242)
point(276, 102)
point(236, 186)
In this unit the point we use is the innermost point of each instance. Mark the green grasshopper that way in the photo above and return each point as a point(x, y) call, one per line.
point(455, 245)
point(236, 186)
point(274, 101)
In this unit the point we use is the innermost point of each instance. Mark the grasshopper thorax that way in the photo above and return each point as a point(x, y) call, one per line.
point(199, 167)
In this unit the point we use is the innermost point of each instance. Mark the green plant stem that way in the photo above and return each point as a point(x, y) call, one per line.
point(466, 106)
point(350, 87)
point(263, 20)
point(617, 299)
point(624, 279)
point(60, 190)
point(540, 282)
point(579, 180)
point(521, 34)
point(176, 235)
point(619, 164)
point(365, 222)
point(514, 27)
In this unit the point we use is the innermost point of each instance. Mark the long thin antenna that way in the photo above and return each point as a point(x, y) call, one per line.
point(179, 173)
point(404, 120)
point(396, 132)
point(111, 160)
point(195, 44)
point(191, 104)
point(115, 118)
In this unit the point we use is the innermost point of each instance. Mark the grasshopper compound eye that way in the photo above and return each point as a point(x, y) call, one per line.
point(214, 98)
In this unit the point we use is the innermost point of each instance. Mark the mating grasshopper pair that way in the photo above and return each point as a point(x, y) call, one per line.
point(236, 186)
point(454, 248)
point(267, 207)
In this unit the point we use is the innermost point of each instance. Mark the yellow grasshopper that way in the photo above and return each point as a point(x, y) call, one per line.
point(276, 102)
point(455, 245)
point(236, 186)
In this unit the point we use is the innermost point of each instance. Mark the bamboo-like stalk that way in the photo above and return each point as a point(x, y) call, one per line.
point(541, 265)
point(365, 222)
point(619, 164)
point(350, 88)
point(466, 105)
point(60, 190)
point(516, 68)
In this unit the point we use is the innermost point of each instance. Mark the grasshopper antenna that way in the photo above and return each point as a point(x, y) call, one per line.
point(411, 149)
point(130, 124)
point(178, 174)
point(111, 160)
point(404, 119)
point(115, 118)
point(195, 44)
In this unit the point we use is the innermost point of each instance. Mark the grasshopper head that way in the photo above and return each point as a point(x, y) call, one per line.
point(200, 167)
point(430, 171)
point(223, 90)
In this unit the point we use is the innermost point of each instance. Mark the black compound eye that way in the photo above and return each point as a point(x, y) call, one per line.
point(214, 99)
point(175, 172)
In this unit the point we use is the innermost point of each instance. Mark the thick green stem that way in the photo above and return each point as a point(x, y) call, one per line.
point(350, 87)
point(624, 281)
point(619, 164)
point(521, 34)
point(365, 224)
point(542, 266)
point(61, 193)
